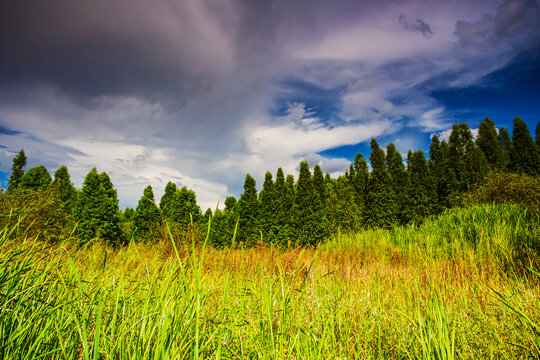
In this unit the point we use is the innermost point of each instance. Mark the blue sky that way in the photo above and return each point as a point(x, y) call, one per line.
point(200, 92)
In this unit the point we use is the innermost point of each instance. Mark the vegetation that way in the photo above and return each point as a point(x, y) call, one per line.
point(437, 259)
point(447, 289)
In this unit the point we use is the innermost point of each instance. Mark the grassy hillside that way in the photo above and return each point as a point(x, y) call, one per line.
point(459, 286)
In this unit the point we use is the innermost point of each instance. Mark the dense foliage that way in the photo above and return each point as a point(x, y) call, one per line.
point(316, 206)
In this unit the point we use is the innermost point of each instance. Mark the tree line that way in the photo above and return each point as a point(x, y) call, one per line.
point(304, 212)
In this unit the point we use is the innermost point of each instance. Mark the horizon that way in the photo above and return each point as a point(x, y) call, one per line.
point(200, 93)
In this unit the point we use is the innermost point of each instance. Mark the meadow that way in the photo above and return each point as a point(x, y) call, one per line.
point(463, 285)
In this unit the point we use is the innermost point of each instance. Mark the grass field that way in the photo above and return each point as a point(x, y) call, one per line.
point(462, 286)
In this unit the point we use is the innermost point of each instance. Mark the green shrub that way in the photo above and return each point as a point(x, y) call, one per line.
point(509, 188)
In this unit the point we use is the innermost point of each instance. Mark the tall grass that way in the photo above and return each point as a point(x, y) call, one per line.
point(454, 287)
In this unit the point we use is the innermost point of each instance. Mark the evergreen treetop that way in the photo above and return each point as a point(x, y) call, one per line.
point(63, 185)
point(183, 208)
point(97, 209)
point(524, 156)
point(36, 178)
point(381, 207)
point(17, 172)
point(488, 141)
point(167, 198)
point(248, 210)
point(146, 216)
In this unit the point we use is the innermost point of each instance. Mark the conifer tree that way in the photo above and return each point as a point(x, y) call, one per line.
point(308, 212)
point(328, 178)
point(146, 217)
point(249, 210)
point(184, 209)
point(230, 203)
point(524, 157)
point(110, 229)
point(207, 215)
point(332, 198)
point(287, 231)
point(506, 144)
point(466, 160)
point(318, 182)
point(398, 177)
point(359, 180)
point(36, 178)
point(380, 199)
point(64, 189)
point(537, 134)
point(443, 177)
point(97, 210)
point(419, 193)
point(280, 183)
point(320, 195)
point(219, 234)
point(290, 192)
point(128, 214)
point(346, 212)
point(17, 172)
point(225, 222)
point(488, 141)
point(167, 198)
point(269, 208)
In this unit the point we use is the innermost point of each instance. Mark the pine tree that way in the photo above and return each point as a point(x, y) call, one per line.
point(380, 200)
point(488, 141)
point(249, 210)
point(167, 198)
point(17, 172)
point(97, 210)
point(524, 157)
point(146, 218)
point(308, 212)
point(398, 177)
point(36, 178)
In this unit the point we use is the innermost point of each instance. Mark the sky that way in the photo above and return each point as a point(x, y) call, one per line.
point(202, 92)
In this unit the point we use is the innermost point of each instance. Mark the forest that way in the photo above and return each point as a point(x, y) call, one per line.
point(286, 212)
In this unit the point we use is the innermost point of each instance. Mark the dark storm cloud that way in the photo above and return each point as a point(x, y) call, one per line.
point(184, 88)
point(516, 23)
point(158, 48)
point(420, 25)
point(112, 47)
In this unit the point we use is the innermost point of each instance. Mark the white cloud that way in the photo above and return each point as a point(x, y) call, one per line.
point(445, 135)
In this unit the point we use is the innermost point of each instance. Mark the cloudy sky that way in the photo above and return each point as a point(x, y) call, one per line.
point(201, 92)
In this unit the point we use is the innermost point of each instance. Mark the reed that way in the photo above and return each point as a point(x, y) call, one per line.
point(462, 285)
